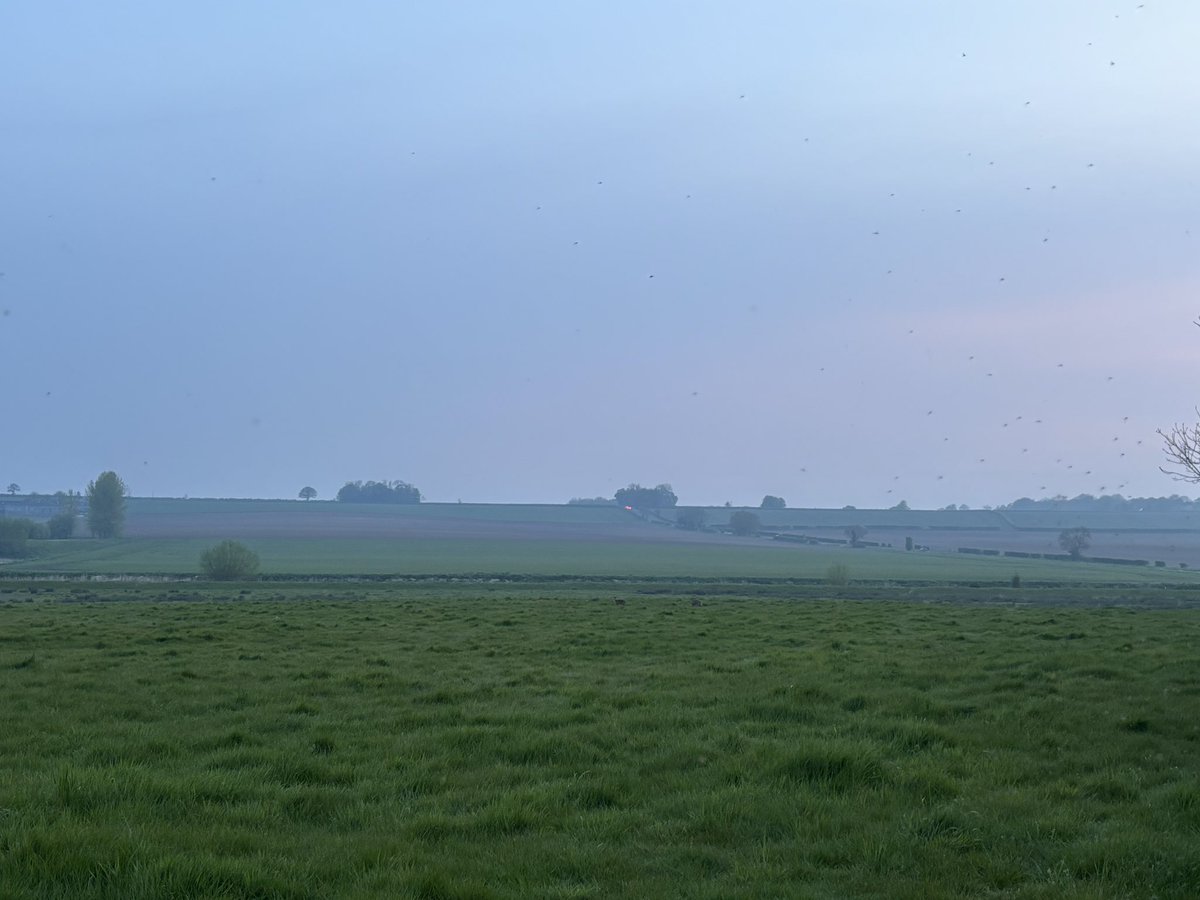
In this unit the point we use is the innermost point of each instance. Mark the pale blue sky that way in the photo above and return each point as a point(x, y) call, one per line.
point(248, 247)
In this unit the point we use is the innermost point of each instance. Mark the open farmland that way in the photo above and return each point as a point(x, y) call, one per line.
point(166, 537)
point(393, 741)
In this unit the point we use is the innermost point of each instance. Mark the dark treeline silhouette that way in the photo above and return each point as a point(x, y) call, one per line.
point(1106, 503)
point(646, 498)
point(378, 492)
point(591, 501)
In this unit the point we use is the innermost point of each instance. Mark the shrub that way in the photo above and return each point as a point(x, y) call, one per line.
point(838, 575)
point(744, 523)
point(229, 561)
point(13, 535)
point(690, 518)
point(61, 526)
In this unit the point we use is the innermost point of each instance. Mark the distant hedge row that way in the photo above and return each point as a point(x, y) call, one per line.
point(1020, 554)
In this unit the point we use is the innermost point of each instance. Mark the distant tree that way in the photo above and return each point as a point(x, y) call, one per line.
point(68, 501)
point(963, 507)
point(640, 497)
point(1075, 540)
point(307, 493)
point(690, 518)
point(14, 533)
point(14, 489)
point(61, 526)
point(379, 492)
point(902, 506)
point(229, 561)
point(744, 522)
point(772, 502)
point(106, 505)
point(590, 501)
point(855, 534)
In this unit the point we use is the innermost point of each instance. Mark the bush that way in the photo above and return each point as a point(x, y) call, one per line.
point(13, 535)
point(61, 526)
point(690, 518)
point(744, 523)
point(838, 575)
point(229, 561)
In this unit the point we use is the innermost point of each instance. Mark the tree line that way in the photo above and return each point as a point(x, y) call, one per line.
point(1105, 503)
point(105, 517)
point(378, 492)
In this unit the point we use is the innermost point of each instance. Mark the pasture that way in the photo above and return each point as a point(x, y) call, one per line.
point(508, 741)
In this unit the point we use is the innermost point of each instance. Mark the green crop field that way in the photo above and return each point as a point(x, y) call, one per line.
point(447, 556)
point(401, 741)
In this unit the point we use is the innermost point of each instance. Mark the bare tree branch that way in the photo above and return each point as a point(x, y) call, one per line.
point(1181, 443)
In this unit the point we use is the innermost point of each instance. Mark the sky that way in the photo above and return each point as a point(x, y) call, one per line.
point(842, 253)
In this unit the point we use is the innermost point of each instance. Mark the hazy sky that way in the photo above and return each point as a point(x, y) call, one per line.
point(846, 252)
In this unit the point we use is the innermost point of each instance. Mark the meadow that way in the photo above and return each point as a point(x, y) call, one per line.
point(594, 740)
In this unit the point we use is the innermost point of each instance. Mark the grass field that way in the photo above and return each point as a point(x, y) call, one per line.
point(492, 741)
point(442, 556)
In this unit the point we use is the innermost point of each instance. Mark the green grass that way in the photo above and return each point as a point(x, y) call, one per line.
point(761, 559)
point(491, 741)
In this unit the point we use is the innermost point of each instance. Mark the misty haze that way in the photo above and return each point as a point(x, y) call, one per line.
point(649, 450)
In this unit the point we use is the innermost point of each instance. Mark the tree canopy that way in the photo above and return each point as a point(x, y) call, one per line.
point(378, 492)
point(772, 502)
point(640, 497)
point(744, 522)
point(1075, 540)
point(106, 505)
point(855, 534)
point(307, 493)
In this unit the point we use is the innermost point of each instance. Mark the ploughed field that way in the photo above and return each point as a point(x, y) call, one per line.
point(595, 739)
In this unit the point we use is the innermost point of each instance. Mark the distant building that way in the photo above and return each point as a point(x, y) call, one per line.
point(38, 507)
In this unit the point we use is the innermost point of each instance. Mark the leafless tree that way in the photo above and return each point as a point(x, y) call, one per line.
point(1181, 443)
